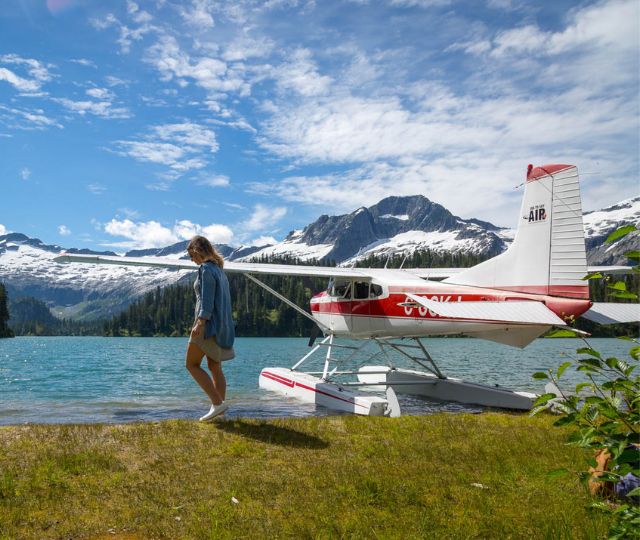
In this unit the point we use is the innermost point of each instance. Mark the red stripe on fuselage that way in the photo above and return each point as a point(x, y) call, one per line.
point(390, 306)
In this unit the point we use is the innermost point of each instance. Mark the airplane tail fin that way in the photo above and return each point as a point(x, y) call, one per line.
point(548, 254)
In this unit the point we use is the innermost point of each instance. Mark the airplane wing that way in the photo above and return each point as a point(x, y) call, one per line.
point(230, 267)
point(519, 312)
point(363, 274)
point(610, 313)
point(442, 273)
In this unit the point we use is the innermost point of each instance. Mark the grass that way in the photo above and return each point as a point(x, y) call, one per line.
point(332, 477)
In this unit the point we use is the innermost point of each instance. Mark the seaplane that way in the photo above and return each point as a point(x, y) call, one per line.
point(536, 284)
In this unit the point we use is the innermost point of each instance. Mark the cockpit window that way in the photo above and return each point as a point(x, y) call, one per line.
point(341, 289)
point(375, 291)
point(361, 290)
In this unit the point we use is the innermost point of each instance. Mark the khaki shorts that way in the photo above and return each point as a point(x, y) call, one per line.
point(211, 348)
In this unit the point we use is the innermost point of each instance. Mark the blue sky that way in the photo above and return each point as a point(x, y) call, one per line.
point(138, 124)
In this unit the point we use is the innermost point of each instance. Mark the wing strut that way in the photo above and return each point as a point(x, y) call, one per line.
point(284, 299)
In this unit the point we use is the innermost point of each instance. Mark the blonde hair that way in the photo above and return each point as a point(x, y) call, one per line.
point(202, 246)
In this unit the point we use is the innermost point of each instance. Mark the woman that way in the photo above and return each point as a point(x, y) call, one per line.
point(212, 333)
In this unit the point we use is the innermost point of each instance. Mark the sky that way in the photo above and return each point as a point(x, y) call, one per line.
point(127, 125)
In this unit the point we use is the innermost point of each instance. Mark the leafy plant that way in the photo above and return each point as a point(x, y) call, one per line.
point(604, 412)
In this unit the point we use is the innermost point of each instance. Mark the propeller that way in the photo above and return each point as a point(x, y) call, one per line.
point(315, 332)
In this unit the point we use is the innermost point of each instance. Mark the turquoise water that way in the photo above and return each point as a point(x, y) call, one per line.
point(101, 379)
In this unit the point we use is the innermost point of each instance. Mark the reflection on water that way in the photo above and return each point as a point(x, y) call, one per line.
point(95, 379)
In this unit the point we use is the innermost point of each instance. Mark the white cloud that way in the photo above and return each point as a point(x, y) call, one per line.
point(199, 14)
point(263, 217)
point(26, 119)
point(209, 73)
point(84, 62)
point(101, 93)
point(63, 230)
point(37, 71)
point(150, 234)
point(301, 75)
point(128, 35)
point(181, 147)
point(96, 189)
point(215, 181)
point(25, 173)
point(98, 108)
point(219, 234)
point(3, 229)
point(263, 241)
point(24, 85)
point(115, 81)
point(245, 47)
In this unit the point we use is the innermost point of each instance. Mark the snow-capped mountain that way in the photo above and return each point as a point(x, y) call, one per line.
point(394, 225)
point(601, 223)
point(75, 291)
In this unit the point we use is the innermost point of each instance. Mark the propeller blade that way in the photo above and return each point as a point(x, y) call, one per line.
point(315, 332)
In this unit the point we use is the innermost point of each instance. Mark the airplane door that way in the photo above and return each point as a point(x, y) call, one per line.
point(360, 308)
point(340, 318)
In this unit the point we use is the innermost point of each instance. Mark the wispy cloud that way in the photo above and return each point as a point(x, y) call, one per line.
point(128, 34)
point(25, 173)
point(3, 229)
point(199, 14)
point(180, 147)
point(36, 73)
point(215, 181)
point(63, 230)
point(263, 217)
point(96, 189)
point(84, 62)
point(101, 104)
point(34, 118)
point(208, 72)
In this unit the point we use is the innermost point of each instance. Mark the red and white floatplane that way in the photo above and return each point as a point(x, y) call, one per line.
point(512, 298)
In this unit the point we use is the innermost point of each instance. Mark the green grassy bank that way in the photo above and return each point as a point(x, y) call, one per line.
point(334, 477)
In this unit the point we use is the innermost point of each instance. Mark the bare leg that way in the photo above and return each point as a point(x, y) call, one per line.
point(193, 360)
point(218, 377)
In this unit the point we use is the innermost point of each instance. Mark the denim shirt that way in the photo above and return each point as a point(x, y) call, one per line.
point(213, 303)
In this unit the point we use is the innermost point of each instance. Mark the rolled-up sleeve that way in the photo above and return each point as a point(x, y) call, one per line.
point(208, 292)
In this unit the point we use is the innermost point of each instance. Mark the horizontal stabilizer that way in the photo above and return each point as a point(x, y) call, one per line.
point(527, 312)
point(608, 313)
point(613, 270)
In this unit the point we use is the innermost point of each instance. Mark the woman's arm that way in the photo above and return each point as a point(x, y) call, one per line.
point(207, 293)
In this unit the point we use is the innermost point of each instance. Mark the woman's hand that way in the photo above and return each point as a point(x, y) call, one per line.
point(198, 329)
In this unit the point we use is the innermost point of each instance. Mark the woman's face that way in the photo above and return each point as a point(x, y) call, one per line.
point(195, 257)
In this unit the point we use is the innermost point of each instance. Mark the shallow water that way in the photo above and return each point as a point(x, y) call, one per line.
point(102, 379)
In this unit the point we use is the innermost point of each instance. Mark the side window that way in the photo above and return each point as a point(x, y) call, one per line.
point(341, 289)
point(361, 290)
point(376, 290)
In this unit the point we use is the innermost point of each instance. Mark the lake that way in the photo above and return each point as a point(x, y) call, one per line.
point(104, 379)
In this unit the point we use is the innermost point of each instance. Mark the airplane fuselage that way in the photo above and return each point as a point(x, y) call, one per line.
point(362, 310)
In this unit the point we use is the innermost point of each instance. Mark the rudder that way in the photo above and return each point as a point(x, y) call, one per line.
point(548, 254)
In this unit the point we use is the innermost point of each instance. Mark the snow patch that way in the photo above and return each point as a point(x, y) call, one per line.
point(403, 217)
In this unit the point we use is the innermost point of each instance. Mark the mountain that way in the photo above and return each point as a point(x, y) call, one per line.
point(600, 224)
point(394, 225)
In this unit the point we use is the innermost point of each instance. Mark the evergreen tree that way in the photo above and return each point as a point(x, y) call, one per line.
point(5, 331)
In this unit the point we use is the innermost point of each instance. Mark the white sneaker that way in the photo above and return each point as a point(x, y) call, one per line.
point(216, 410)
